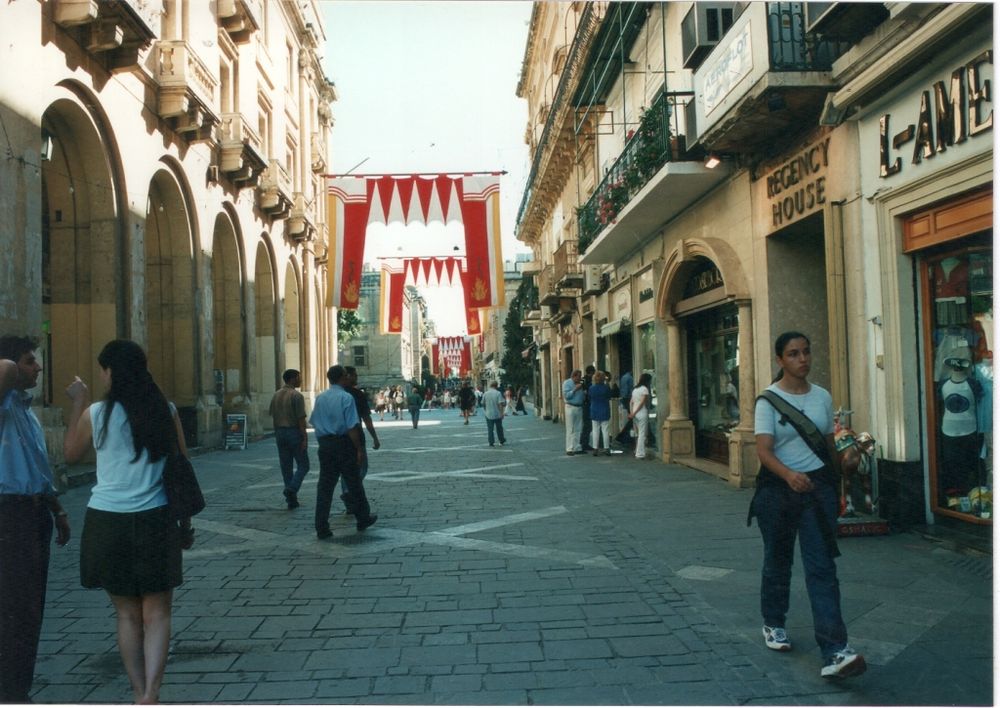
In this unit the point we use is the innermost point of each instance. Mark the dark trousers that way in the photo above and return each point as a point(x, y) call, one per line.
point(497, 424)
point(337, 456)
point(782, 515)
point(415, 415)
point(25, 535)
point(289, 441)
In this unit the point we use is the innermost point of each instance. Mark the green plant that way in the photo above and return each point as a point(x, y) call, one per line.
point(349, 325)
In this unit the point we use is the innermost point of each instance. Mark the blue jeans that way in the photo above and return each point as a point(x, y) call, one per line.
point(497, 423)
point(290, 449)
point(781, 515)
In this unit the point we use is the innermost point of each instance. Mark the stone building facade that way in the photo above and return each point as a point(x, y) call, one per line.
point(164, 184)
point(707, 175)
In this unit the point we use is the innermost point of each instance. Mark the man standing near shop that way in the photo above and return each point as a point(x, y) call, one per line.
point(573, 395)
point(493, 409)
point(625, 385)
point(288, 411)
point(365, 414)
point(587, 427)
point(28, 506)
point(335, 420)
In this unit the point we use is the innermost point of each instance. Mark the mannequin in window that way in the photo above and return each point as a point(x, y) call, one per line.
point(960, 398)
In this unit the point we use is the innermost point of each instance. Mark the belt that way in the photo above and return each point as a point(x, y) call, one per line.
point(345, 436)
point(575, 405)
point(35, 499)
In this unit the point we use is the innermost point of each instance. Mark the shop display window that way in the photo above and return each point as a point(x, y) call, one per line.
point(960, 328)
point(714, 379)
point(647, 362)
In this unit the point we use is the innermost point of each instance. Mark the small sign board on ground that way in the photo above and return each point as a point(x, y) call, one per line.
point(236, 431)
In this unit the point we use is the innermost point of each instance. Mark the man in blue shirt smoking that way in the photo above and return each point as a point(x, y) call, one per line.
point(341, 452)
point(28, 506)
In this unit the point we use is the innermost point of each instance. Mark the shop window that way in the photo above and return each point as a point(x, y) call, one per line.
point(958, 315)
point(713, 379)
point(359, 354)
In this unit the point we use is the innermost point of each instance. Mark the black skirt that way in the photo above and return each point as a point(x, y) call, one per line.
point(130, 554)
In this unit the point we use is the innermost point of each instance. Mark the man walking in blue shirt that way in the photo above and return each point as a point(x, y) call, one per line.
point(341, 452)
point(28, 506)
point(493, 405)
point(573, 395)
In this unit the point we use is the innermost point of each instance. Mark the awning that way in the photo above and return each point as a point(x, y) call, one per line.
point(613, 327)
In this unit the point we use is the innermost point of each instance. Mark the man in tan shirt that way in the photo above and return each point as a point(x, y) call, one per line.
point(288, 409)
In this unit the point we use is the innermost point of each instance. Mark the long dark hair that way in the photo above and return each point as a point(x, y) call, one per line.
point(646, 380)
point(779, 348)
point(146, 407)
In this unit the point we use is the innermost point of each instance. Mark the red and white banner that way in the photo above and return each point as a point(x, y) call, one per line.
point(455, 356)
point(391, 301)
point(355, 202)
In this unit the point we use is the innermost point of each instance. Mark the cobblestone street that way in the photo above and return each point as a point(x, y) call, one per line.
point(514, 575)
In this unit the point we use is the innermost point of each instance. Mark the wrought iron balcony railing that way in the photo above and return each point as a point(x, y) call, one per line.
point(657, 140)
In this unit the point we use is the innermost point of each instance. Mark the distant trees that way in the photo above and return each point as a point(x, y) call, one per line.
point(518, 370)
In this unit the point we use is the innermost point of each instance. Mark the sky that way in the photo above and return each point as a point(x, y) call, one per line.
point(429, 87)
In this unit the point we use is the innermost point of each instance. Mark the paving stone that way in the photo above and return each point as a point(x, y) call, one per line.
point(457, 683)
point(284, 690)
point(576, 649)
point(508, 652)
point(344, 688)
point(452, 654)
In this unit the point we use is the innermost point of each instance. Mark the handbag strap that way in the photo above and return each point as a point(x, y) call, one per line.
point(801, 422)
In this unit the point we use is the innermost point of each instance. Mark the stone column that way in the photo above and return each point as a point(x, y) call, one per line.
point(743, 462)
point(678, 430)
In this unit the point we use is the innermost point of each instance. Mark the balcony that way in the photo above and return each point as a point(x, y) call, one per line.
point(114, 31)
point(239, 18)
point(565, 269)
point(764, 81)
point(548, 294)
point(301, 220)
point(187, 89)
point(274, 191)
point(317, 153)
point(242, 151)
point(652, 181)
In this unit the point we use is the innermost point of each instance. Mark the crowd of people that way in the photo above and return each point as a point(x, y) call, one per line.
point(131, 546)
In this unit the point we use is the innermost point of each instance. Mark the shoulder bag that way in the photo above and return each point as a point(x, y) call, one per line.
point(184, 497)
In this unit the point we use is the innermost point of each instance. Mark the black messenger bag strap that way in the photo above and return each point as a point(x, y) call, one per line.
point(817, 443)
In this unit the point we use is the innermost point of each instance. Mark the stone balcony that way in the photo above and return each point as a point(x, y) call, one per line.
point(239, 18)
point(241, 150)
point(187, 90)
point(115, 32)
point(301, 219)
point(274, 191)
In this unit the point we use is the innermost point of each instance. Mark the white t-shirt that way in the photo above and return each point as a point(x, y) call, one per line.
point(959, 417)
point(789, 447)
point(637, 395)
point(122, 485)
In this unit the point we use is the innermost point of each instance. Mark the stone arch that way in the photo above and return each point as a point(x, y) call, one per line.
point(681, 261)
point(84, 286)
point(171, 284)
point(229, 330)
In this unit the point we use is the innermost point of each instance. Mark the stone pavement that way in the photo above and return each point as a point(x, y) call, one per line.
point(514, 575)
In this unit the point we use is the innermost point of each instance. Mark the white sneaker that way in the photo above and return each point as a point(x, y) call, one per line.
point(844, 664)
point(775, 638)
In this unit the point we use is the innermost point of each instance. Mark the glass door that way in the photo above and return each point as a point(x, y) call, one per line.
point(713, 379)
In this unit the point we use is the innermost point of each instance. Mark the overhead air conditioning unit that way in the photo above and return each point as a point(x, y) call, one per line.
point(702, 28)
point(592, 284)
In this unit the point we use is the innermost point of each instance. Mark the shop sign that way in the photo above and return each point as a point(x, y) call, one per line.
point(622, 303)
point(798, 187)
point(706, 278)
point(644, 284)
point(946, 116)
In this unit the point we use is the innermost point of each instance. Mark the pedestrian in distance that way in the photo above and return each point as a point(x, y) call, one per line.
point(130, 545)
point(28, 511)
point(599, 395)
point(341, 452)
point(380, 404)
point(639, 413)
point(586, 425)
point(399, 400)
point(365, 415)
point(494, 407)
point(288, 411)
point(428, 399)
point(573, 396)
point(467, 400)
point(509, 399)
point(797, 496)
point(413, 401)
point(625, 385)
point(519, 405)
